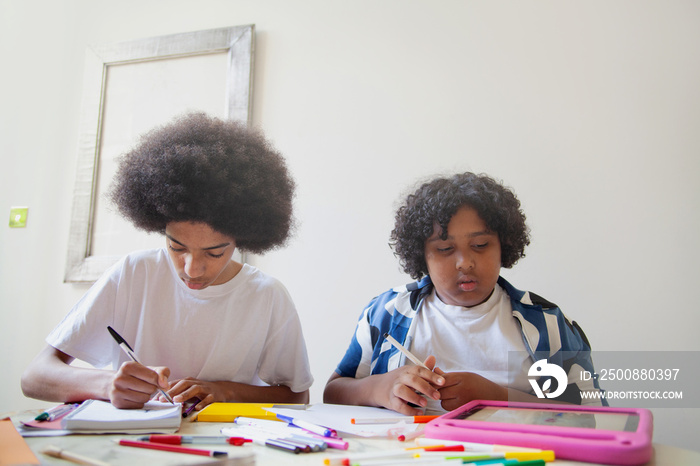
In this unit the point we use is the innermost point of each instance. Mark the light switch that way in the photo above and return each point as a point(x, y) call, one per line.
point(18, 217)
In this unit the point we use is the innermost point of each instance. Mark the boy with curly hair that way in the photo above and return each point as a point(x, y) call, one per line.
point(453, 235)
point(204, 326)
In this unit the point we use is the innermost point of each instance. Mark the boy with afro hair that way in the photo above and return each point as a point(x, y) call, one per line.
point(205, 327)
point(453, 235)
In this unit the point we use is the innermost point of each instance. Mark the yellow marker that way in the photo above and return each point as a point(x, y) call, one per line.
point(545, 455)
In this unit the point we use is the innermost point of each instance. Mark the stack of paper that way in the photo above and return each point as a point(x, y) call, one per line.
point(102, 415)
point(99, 417)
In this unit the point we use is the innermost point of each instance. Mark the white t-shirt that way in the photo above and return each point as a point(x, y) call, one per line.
point(245, 330)
point(483, 339)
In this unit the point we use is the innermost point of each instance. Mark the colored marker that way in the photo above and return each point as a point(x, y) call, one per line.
point(189, 410)
point(130, 352)
point(545, 455)
point(273, 440)
point(316, 444)
point(471, 446)
point(405, 352)
point(173, 448)
point(333, 442)
point(503, 462)
point(494, 462)
point(263, 423)
point(316, 429)
point(407, 455)
point(304, 446)
point(403, 462)
point(394, 420)
point(293, 435)
point(282, 445)
point(377, 455)
point(284, 430)
point(180, 439)
point(442, 448)
point(480, 459)
point(56, 412)
point(409, 435)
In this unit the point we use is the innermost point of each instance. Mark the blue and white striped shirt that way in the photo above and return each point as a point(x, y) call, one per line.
point(547, 334)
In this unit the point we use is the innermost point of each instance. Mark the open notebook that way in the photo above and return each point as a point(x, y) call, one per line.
point(94, 416)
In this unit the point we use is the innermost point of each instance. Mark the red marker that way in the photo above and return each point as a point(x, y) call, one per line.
point(180, 439)
point(173, 448)
point(454, 447)
point(444, 448)
point(394, 420)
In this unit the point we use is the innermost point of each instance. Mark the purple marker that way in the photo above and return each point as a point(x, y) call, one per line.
point(320, 430)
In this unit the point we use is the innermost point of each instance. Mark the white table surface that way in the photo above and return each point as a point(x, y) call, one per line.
point(104, 448)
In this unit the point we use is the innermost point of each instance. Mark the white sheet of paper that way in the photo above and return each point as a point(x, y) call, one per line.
point(338, 417)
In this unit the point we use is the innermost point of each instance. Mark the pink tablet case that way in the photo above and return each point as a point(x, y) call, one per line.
point(574, 443)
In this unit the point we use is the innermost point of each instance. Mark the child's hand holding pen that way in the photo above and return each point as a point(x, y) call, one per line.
point(459, 388)
point(401, 389)
point(397, 388)
point(410, 381)
point(134, 384)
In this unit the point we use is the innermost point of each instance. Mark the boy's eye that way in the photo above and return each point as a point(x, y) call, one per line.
point(216, 256)
point(175, 249)
point(445, 249)
point(481, 245)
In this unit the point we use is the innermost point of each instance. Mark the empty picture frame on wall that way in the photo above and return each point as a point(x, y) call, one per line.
point(130, 88)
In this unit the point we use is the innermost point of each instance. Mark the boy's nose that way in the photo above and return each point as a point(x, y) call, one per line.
point(193, 267)
point(465, 261)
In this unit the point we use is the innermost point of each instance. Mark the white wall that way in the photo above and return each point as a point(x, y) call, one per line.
point(589, 110)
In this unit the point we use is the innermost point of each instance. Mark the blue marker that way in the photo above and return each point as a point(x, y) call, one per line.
point(320, 430)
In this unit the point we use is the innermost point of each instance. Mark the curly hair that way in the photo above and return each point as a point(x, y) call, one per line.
point(203, 169)
point(436, 201)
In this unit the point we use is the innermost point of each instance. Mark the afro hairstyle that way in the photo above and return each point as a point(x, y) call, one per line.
point(206, 170)
point(435, 202)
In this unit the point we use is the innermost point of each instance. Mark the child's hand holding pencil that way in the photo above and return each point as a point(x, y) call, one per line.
point(457, 388)
point(403, 387)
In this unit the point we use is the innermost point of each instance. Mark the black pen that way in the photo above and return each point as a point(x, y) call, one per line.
point(130, 352)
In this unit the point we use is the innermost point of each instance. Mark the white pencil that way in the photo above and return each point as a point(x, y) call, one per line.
point(406, 353)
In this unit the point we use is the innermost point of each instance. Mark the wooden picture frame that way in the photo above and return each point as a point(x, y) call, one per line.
point(129, 88)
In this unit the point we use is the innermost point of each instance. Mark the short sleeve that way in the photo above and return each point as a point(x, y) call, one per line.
point(82, 333)
point(284, 360)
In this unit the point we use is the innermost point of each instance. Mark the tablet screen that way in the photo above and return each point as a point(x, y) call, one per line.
point(553, 417)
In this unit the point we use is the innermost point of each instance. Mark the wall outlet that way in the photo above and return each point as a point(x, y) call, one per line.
point(18, 217)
